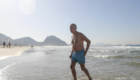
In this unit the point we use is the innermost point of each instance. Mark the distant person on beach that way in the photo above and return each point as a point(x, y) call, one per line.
point(9, 45)
point(78, 53)
point(31, 46)
point(4, 44)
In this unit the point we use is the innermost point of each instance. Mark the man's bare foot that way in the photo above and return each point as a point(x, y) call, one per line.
point(90, 78)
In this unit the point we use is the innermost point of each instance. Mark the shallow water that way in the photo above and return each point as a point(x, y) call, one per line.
point(53, 63)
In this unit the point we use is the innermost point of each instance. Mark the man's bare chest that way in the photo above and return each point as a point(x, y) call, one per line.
point(76, 39)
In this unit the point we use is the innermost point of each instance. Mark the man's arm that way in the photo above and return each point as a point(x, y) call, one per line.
point(87, 40)
point(72, 48)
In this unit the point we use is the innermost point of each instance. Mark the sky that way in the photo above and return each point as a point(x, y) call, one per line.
point(101, 21)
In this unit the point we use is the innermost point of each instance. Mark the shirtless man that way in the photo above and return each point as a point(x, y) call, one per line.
point(78, 53)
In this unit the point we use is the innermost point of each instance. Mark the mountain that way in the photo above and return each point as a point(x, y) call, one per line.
point(26, 41)
point(50, 40)
point(5, 38)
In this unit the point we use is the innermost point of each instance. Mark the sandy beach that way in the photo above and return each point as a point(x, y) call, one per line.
point(13, 51)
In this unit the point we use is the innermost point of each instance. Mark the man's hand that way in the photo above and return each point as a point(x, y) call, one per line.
point(70, 56)
point(85, 53)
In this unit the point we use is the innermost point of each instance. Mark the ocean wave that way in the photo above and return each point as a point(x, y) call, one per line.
point(135, 51)
point(100, 56)
point(1, 71)
point(125, 78)
point(115, 56)
point(137, 64)
point(115, 51)
point(4, 57)
point(125, 56)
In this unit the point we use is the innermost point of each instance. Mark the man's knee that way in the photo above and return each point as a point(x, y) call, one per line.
point(72, 67)
point(83, 68)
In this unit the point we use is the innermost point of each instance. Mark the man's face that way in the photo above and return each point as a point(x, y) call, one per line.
point(72, 29)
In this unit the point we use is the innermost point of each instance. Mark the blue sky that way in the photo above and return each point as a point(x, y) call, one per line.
point(108, 21)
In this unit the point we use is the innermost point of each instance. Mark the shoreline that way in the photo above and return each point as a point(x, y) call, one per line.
point(13, 51)
point(7, 55)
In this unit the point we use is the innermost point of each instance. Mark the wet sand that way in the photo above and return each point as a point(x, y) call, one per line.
point(13, 51)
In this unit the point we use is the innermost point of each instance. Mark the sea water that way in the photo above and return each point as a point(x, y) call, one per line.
point(53, 63)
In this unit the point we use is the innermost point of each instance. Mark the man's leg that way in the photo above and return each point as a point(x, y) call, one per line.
point(72, 66)
point(85, 70)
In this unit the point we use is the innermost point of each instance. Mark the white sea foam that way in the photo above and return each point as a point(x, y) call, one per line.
point(100, 56)
point(1, 70)
point(4, 57)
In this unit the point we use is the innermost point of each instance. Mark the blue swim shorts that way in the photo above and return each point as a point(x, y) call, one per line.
point(78, 57)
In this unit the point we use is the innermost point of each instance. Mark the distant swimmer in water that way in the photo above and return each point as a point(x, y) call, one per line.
point(78, 53)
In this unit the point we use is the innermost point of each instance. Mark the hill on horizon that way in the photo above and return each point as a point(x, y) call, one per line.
point(50, 40)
